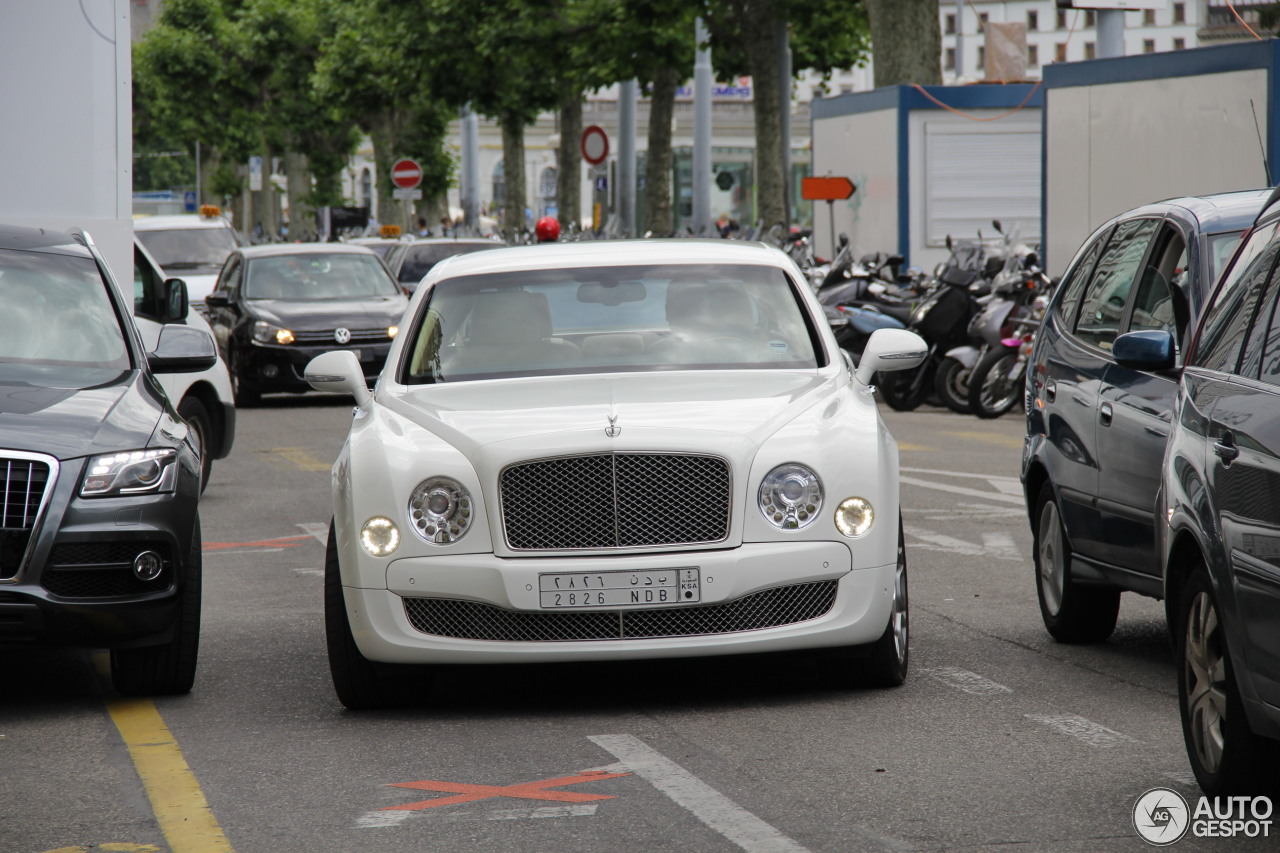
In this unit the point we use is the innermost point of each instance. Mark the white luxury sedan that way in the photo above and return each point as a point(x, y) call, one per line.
point(609, 451)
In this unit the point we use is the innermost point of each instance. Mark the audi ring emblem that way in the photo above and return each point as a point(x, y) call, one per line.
point(342, 336)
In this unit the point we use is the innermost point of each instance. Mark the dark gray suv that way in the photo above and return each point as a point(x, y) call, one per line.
point(99, 478)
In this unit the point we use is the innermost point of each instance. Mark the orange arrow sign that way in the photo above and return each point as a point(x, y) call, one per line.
point(826, 189)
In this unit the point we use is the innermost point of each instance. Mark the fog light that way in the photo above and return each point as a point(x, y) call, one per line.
point(147, 566)
point(270, 371)
point(379, 536)
point(854, 517)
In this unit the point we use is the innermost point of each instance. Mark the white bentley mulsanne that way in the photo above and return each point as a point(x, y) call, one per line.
point(613, 450)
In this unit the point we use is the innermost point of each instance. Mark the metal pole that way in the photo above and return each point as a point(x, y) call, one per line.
point(959, 39)
point(470, 168)
point(627, 157)
point(784, 106)
point(1110, 33)
point(199, 199)
point(701, 133)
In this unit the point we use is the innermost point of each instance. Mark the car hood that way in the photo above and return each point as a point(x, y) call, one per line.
point(315, 314)
point(647, 407)
point(198, 285)
point(69, 423)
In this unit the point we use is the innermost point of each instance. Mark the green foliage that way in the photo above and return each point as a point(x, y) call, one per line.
point(825, 35)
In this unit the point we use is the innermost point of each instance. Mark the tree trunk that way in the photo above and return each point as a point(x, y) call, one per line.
point(382, 134)
point(762, 55)
point(210, 160)
point(569, 165)
point(264, 203)
point(513, 200)
point(657, 170)
point(302, 216)
point(906, 41)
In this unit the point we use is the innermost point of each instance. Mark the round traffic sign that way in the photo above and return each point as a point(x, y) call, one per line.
point(406, 174)
point(595, 145)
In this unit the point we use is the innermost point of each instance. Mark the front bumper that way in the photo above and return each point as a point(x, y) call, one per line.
point(489, 594)
point(266, 368)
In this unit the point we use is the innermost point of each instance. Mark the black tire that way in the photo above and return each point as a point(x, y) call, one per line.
point(992, 392)
point(883, 663)
point(361, 684)
point(896, 390)
point(201, 425)
point(1225, 754)
point(951, 384)
point(246, 398)
point(169, 668)
point(1072, 612)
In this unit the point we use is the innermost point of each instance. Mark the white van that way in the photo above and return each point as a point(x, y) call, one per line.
point(192, 246)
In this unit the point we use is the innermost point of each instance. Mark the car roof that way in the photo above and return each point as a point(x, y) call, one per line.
point(613, 253)
point(1229, 211)
point(40, 240)
point(178, 221)
point(271, 250)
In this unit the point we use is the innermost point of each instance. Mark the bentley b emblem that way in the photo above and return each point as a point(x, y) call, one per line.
point(613, 430)
point(342, 336)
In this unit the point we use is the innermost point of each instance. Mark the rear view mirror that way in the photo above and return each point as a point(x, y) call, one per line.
point(338, 372)
point(175, 300)
point(888, 350)
point(182, 349)
point(611, 293)
point(1149, 349)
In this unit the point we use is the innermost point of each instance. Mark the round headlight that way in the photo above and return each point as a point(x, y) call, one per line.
point(790, 496)
point(379, 536)
point(854, 517)
point(440, 510)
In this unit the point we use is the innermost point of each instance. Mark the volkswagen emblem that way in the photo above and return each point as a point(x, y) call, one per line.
point(613, 430)
point(342, 336)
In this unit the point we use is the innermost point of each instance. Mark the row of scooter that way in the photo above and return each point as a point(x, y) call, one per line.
point(978, 313)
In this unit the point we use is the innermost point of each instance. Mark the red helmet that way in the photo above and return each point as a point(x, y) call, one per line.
point(547, 229)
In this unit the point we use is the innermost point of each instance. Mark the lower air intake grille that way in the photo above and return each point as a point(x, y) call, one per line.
point(470, 620)
point(103, 570)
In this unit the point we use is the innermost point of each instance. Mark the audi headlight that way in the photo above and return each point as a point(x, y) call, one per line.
point(135, 472)
point(440, 510)
point(269, 333)
point(380, 536)
point(854, 517)
point(790, 496)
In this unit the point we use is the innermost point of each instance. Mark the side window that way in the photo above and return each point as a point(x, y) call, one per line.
point(1227, 319)
point(1160, 304)
point(147, 287)
point(230, 280)
point(1073, 282)
point(1270, 367)
point(1108, 294)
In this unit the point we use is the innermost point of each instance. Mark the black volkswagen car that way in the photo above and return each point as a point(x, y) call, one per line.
point(276, 307)
point(99, 477)
point(1221, 502)
point(1097, 422)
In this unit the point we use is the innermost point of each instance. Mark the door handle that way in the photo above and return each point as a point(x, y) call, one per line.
point(1105, 413)
point(1051, 390)
point(1226, 448)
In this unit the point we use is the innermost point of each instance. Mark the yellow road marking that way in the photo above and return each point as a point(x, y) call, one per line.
point(902, 445)
point(176, 799)
point(1002, 440)
point(109, 847)
point(299, 458)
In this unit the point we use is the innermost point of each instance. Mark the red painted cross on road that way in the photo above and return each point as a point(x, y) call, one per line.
point(526, 791)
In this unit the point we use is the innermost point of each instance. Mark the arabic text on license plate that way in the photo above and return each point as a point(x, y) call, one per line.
point(620, 589)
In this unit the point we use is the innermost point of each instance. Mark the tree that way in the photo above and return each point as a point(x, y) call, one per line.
point(907, 40)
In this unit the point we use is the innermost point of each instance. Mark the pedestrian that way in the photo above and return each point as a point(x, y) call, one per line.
point(423, 231)
point(446, 225)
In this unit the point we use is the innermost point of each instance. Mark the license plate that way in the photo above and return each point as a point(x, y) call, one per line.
point(620, 589)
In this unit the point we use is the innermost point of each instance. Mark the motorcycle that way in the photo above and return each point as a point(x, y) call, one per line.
point(997, 381)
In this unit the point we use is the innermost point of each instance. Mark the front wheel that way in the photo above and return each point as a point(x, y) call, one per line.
point(951, 383)
point(884, 662)
point(201, 426)
point(996, 383)
point(1072, 613)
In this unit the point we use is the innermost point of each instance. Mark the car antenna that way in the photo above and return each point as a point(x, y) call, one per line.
point(1266, 167)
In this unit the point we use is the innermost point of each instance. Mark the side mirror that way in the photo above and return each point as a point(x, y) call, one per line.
point(1150, 349)
point(995, 223)
point(216, 300)
point(338, 372)
point(182, 349)
point(888, 350)
point(176, 303)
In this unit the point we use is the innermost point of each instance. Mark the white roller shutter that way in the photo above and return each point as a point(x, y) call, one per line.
point(975, 175)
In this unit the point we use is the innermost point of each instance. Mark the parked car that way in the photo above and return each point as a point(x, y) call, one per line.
point(417, 259)
point(1221, 499)
point(386, 248)
point(610, 452)
point(194, 246)
point(99, 531)
point(1097, 424)
point(204, 400)
point(275, 307)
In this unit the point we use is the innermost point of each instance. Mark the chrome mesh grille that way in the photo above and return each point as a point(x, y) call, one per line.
point(615, 500)
point(325, 336)
point(22, 485)
point(471, 620)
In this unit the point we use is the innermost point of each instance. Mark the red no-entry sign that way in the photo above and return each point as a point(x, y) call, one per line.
point(595, 145)
point(406, 174)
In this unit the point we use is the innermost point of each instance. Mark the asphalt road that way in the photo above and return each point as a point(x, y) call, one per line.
point(1000, 739)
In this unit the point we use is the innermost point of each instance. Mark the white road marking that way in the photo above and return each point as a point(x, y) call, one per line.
point(308, 572)
point(387, 819)
point(963, 679)
point(238, 551)
point(998, 546)
point(961, 490)
point(966, 511)
point(381, 819)
point(1088, 731)
point(317, 530)
point(705, 803)
point(535, 812)
point(999, 542)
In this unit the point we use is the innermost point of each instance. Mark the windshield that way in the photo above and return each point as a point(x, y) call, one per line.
point(611, 319)
point(58, 327)
point(319, 276)
point(418, 260)
point(187, 248)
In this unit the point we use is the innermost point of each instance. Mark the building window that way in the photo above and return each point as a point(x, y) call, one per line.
point(949, 59)
point(1090, 18)
point(982, 21)
point(816, 92)
point(1090, 50)
point(846, 88)
point(1149, 18)
point(1179, 44)
point(1033, 20)
point(950, 26)
point(1179, 13)
point(1148, 45)
point(366, 187)
point(1033, 56)
point(1062, 20)
point(982, 58)
point(1060, 52)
